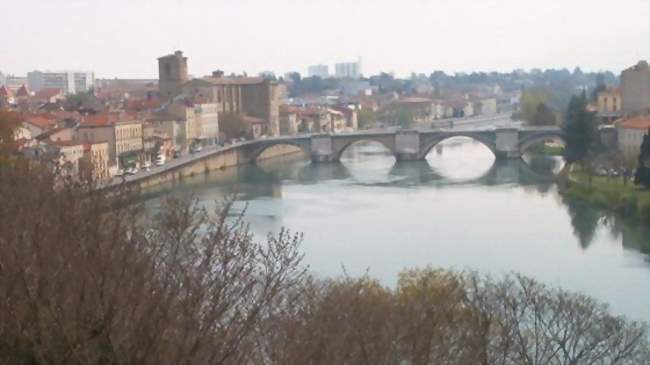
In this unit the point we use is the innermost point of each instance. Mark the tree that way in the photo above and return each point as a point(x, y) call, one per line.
point(580, 130)
point(233, 125)
point(366, 118)
point(9, 122)
point(530, 102)
point(403, 117)
point(642, 176)
point(544, 115)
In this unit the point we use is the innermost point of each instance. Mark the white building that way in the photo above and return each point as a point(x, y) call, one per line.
point(630, 135)
point(321, 71)
point(70, 82)
point(351, 70)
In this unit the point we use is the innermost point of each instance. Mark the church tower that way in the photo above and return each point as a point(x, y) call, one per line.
point(172, 74)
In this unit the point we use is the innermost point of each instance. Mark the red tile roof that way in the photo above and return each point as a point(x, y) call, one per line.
point(638, 122)
point(106, 119)
point(5, 92)
point(48, 93)
point(42, 121)
point(22, 92)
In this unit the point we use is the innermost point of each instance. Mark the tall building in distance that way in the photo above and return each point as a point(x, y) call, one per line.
point(256, 98)
point(635, 88)
point(70, 82)
point(348, 70)
point(321, 71)
point(172, 74)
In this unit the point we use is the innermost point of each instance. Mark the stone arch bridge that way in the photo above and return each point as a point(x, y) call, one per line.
point(409, 145)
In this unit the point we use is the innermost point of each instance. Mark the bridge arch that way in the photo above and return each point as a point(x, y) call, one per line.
point(341, 147)
point(531, 140)
point(427, 145)
point(260, 148)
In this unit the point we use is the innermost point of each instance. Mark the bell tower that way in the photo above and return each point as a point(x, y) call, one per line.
point(172, 74)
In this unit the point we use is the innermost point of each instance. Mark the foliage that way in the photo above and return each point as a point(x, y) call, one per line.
point(366, 118)
point(530, 102)
point(81, 101)
point(234, 125)
point(580, 130)
point(642, 176)
point(88, 277)
point(544, 115)
point(9, 122)
point(86, 280)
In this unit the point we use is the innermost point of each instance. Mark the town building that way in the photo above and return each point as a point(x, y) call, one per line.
point(609, 105)
point(121, 131)
point(254, 97)
point(321, 71)
point(96, 158)
point(13, 83)
point(347, 70)
point(70, 82)
point(635, 88)
point(289, 119)
point(49, 95)
point(630, 134)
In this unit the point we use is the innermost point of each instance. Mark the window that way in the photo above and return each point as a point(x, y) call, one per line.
point(168, 70)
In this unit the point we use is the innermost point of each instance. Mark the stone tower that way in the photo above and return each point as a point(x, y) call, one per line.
point(172, 74)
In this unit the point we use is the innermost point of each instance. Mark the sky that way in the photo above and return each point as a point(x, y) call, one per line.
point(123, 38)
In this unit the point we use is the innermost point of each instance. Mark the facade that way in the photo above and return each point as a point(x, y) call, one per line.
point(69, 154)
point(609, 105)
point(254, 97)
point(288, 120)
point(70, 82)
point(348, 70)
point(122, 133)
point(14, 83)
point(635, 88)
point(630, 135)
point(96, 157)
point(321, 71)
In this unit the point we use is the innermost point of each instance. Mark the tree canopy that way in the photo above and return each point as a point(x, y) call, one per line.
point(580, 130)
point(642, 176)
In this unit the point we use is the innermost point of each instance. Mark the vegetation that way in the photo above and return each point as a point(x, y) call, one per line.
point(9, 121)
point(547, 150)
point(580, 128)
point(611, 193)
point(233, 125)
point(366, 118)
point(642, 176)
point(544, 115)
point(529, 104)
point(88, 278)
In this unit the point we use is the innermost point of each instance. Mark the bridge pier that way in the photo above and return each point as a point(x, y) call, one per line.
point(407, 146)
point(322, 149)
point(507, 144)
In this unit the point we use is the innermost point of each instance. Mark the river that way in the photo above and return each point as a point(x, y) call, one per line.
point(457, 210)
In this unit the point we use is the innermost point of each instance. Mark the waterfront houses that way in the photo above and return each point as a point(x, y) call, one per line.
point(630, 134)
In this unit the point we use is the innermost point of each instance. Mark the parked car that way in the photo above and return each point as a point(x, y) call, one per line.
point(196, 148)
point(132, 170)
point(160, 160)
point(119, 173)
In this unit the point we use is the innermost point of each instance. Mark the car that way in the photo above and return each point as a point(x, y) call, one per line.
point(132, 170)
point(196, 148)
point(119, 173)
point(146, 165)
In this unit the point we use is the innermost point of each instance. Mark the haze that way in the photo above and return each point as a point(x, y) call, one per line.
point(122, 38)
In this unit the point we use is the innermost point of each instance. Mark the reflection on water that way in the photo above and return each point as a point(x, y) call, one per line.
point(459, 209)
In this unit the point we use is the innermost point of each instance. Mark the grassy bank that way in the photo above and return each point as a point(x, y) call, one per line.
point(610, 193)
point(547, 150)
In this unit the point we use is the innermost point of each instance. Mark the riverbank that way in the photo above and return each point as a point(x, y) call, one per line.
point(610, 193)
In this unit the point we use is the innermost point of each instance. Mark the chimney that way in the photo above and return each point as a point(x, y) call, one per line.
point(178, 53)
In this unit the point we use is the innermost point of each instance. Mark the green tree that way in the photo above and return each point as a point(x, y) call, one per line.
point(234, 125)
point(403, 117)
point(530, 102)
point(544, 115)
point(580, 130)
point(642, 176)
point(366, 118)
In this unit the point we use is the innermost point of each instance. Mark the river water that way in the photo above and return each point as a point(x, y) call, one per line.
point(458, 210)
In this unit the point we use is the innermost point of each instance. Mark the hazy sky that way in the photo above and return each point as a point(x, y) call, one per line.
point(123, 38)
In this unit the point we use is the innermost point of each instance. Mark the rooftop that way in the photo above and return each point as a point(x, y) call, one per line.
point(638, 122)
